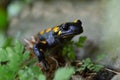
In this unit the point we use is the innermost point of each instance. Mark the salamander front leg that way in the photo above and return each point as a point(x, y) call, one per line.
point(40, 55)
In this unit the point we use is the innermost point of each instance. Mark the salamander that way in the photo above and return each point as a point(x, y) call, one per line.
point(52, 37)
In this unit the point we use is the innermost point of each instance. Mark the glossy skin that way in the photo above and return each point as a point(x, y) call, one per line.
point(55, 36)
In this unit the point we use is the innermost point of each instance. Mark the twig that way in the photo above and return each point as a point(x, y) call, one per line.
point(112, 71)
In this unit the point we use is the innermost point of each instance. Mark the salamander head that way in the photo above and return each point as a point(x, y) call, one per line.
point(70, 29)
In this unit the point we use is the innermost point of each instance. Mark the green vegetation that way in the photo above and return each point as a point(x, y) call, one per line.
point(68, 49)
point(64, 73)
point(5, 42)
point(89, 65)
point(3, 19)
point(15, 63)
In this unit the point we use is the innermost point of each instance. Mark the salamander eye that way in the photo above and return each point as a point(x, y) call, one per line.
point(65, 26)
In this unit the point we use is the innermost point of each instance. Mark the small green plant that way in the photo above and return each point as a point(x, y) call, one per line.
point(31, 73)
point(81, 41)
point(68, 49)
point(89, 65)
point(14, 64)
point(14, 58)
point(64, 73)
point(100, 57)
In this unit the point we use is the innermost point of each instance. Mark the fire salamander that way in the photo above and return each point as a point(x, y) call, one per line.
point(52, 37)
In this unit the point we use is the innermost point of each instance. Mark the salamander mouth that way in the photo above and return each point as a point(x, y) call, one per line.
point(70, 34)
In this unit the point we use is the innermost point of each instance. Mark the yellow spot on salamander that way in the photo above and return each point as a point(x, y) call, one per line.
point(42, 32)
point(55, 29)
point(75, 21)
point(59, 32)
point(44, 42)
point(41, 50)
point(47, 30)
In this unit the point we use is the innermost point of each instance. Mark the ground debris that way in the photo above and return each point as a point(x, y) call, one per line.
point(104, 74)
point(56, 61)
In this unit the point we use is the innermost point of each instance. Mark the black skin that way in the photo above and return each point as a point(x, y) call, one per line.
point(68, 31)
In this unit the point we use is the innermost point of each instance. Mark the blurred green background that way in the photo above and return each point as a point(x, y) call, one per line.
point(22, 18)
